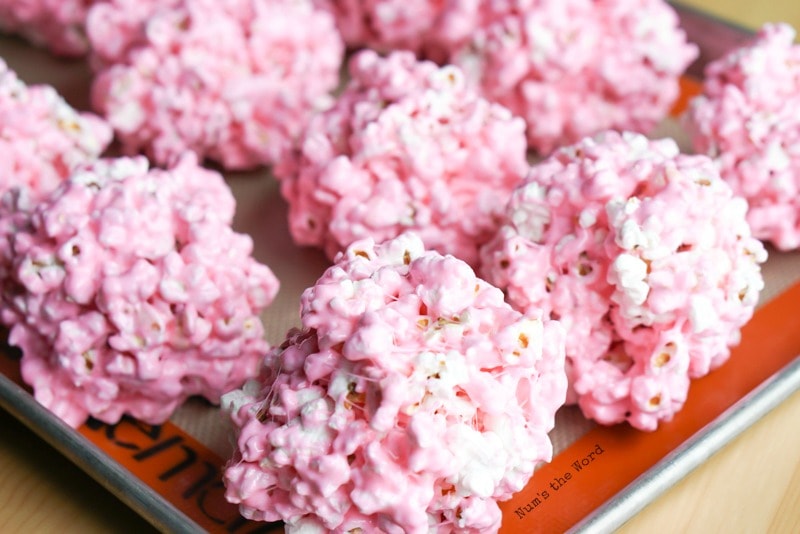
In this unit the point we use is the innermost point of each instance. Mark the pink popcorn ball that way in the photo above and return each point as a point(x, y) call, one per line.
point(58, 25)
point(646, 258)
point(412, 399)
point(234, 81)
point(748, 120)
point(42, 138)
point(432, 28)
point(407, 146)
point(129, 292)
point(117, 27)
point(575, 68)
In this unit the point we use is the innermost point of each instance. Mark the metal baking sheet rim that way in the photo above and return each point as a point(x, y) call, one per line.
point(87, 456)
point(608, 517)
point(714, 37)
point(693, 452)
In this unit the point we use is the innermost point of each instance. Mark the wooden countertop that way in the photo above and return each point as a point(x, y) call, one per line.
point(751, 485)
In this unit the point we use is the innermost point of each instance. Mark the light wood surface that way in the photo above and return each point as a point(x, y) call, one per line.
point(751, 486)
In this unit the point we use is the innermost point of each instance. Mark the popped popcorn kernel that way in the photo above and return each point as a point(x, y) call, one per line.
point(366, 421)
point(576, 68)
point(407, 147)
point(42, 137)
point(429, 28)
point(748, 120)
point(653, 292)
point(234, 81)
point(128, 291)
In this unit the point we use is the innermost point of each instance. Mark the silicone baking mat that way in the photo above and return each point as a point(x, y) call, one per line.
point(599, 477)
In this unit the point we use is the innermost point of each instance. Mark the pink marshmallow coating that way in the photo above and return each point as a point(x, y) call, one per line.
point(58, 25)
point(234, 81)
point(431, 28)
point(412, 399)
point(407, 146)
point(748, 120)
point(575, 68)
point(117, 27)
point(646, 258)
point(128, 291)
point(42, 138)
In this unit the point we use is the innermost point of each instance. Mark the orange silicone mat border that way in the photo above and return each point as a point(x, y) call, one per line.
point(188, 475)
point(178, 467)
point(579, 480)
point(601, 463)
point(689, 88)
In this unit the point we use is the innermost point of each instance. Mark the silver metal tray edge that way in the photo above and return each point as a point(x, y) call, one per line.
point(714, 37)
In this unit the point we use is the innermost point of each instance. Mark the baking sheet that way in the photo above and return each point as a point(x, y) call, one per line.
point(171, 473)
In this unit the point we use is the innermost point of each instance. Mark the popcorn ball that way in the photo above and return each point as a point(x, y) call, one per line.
point(58, 25)
point(42, 138)
point(411, 400)
point(234, 81)
point(407, 146)
point(128, 291)
point(432, 28)
point(646, 258)
point(575, 68)
point(748, 120)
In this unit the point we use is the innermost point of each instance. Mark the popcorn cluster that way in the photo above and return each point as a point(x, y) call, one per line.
point(235, 81)
point(58, 25)
point(748, 120)
point(42, 138)
point(575, 68)
point(430, 28)
point(407, 146)
point(117, 27)
point(411, 400)
point(646, 258)
point(128, 291)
